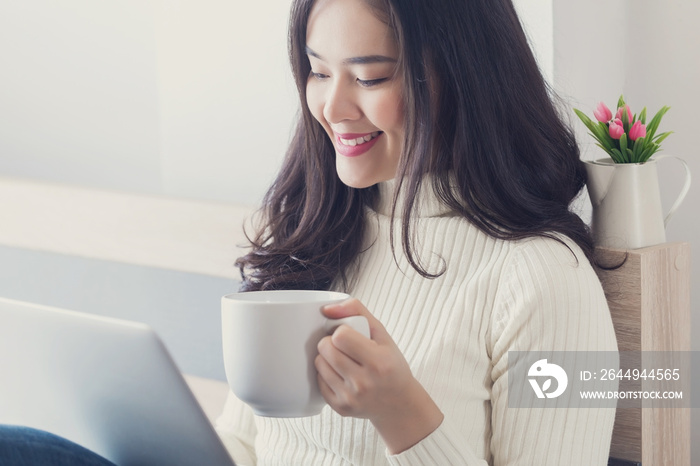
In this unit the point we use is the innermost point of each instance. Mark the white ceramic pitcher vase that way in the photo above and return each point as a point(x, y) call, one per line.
point(627, 212)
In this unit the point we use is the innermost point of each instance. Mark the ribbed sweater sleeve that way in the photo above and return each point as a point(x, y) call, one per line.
point(546, 300)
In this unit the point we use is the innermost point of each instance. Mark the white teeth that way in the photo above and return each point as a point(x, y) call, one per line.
point(360, 140)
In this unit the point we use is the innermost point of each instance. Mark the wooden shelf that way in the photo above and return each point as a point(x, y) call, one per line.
point(649, 299)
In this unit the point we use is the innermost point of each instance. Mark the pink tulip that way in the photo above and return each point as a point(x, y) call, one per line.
point(629, 113)
point(616, 129)
point(602, 113)
point(638, 130)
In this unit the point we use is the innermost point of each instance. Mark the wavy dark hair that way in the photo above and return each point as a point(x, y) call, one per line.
point(479, 119)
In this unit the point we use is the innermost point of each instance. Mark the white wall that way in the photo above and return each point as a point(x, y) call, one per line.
point(175, 97)
point(227, 98)
point(663, 65)
point(134, 105)
point(663, 68)
point(183, 98)
point(649, 51)
point(195, 99)
point(78, 92)
point(589, 50)
point(537, 17)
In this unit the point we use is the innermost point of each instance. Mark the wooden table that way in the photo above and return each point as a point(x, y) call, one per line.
point(649, 299)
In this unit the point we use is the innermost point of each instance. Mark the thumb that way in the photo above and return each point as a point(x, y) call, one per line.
point(353, 307)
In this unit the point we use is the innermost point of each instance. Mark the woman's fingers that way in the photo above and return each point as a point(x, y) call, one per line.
point(341, 363)
point(335, 377)
point(353, 307)
point(327, 374)
point(352, 344)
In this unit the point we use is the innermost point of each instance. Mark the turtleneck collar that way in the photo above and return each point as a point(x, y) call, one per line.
point(427, 203)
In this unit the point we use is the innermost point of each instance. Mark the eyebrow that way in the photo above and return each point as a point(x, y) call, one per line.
point(364, 60)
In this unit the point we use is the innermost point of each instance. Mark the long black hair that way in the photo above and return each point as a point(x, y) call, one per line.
point(479, 119)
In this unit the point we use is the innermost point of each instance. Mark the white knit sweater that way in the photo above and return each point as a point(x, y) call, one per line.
point(455, 331)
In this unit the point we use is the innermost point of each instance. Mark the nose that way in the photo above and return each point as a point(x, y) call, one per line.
point(341, 103)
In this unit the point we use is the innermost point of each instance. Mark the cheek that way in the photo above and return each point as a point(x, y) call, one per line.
point(314, 102)
point(388, 113)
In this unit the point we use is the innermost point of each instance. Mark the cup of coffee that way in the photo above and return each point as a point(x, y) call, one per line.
point(270, 343)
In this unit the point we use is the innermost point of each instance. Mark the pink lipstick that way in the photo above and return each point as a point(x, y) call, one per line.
point(354, 144)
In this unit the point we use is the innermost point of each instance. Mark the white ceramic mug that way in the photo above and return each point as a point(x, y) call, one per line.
point(270, 343)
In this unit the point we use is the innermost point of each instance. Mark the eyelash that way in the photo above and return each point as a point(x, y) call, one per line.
point(361, 82)
point(371, 82)
point(319, 76)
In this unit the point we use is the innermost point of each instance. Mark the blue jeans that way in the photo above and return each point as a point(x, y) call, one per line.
point(22, 446)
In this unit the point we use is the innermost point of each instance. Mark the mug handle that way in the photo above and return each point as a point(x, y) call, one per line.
point(359, 323)
point(684, 190)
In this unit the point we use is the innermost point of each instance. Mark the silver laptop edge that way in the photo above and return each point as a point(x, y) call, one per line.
point(104, 383)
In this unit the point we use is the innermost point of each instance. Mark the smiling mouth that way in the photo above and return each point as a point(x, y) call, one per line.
point(360, 140)
point(356, 144)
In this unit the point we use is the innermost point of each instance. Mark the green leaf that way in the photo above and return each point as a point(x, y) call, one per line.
point(607, 151)
point(597, 133)
point(598, 130)
point(630, 149)
point(592, 126)
point(625, 120)
point(639, 146)
point(643, 116)
point(662, 136)
point(586, 121)
point(617, 156)
point(595, 137)
point(623, 146)
point(648, 152)
point(603, 135)
point(654, 124)
point(602, 143)
point(621, 102)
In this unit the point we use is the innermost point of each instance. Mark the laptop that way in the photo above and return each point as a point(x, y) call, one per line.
point(109, 385)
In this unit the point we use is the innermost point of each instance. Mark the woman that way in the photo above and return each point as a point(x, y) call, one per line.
point(430, 177)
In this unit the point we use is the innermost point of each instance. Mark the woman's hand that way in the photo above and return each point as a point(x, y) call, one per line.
point(370, 379)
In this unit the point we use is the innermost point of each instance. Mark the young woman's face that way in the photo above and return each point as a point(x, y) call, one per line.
point(354, 91)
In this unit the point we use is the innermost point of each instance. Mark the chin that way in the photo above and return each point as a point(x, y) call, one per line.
point(355, 181)
point(360, 175)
